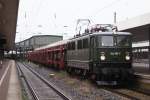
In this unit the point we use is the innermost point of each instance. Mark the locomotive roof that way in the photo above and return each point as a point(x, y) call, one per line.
point(52, 44)
point(100, 33)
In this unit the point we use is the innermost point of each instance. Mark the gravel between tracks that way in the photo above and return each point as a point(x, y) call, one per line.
point(78, 89)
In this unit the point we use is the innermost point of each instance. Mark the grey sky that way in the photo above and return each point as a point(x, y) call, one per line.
point(50, 16)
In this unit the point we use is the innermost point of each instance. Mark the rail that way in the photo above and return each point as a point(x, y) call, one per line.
point(21, 74)
point(52, 86)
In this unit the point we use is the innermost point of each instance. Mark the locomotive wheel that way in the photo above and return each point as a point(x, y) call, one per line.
point(93, 77)
point(83, 74)
point(69, 70)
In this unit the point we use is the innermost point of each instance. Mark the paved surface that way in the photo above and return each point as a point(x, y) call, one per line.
point(14, 89)
point(9, 83)
point(3, 67)
point(4, 79)
point(142, 68)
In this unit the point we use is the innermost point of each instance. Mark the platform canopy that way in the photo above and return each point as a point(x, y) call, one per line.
point(139, 26)
point(137, 21)
point(8, 23)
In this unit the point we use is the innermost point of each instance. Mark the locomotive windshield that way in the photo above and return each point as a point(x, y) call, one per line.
point(123, 41)
point(107, 41)
point(120, 40)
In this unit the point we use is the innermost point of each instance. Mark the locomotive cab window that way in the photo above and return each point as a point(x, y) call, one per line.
point(119, 40)
point(105, 41)
point(123, 41)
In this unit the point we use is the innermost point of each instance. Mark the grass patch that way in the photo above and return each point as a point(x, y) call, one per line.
point(143, 84)
point(24, 95)
point(62, 74)
point(23, 92)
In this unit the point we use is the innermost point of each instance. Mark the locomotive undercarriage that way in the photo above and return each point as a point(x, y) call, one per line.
point(77, 71)
point(105, 73)
point(112, 73)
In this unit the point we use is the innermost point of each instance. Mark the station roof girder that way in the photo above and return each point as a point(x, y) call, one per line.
point(139, 26)
point(8, 22)
point(137, 21)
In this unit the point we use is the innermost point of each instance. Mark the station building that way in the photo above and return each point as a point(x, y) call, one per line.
point(34, 42)
point(37, 41)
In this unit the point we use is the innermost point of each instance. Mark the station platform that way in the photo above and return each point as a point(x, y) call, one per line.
point(9, 83)
point(141, 66)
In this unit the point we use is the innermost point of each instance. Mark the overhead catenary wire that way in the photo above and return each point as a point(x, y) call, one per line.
point(99, 11)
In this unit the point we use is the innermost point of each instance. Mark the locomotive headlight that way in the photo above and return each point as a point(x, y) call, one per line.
point(127, 57)
point(102, 57)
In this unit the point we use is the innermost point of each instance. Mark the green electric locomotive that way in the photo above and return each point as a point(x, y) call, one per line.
point(101, 53)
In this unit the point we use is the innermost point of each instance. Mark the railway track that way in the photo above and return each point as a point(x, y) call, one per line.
point(122, 94)
point(129, 94)
point(142, 76)
point(40, 88)
point(136, 92)
point(143, 83)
